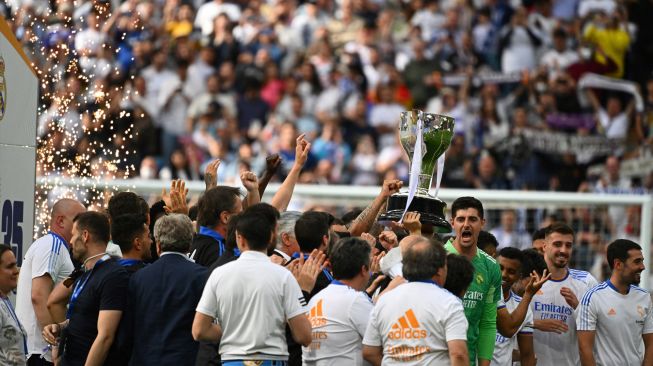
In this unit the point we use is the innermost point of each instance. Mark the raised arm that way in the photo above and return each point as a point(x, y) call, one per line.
point(281, 199)
point(272, 164)
point(363, 223)
point(250, 182)
point(508, 323)
point(594, 101)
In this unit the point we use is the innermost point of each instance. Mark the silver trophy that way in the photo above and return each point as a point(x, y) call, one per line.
point(437, 132)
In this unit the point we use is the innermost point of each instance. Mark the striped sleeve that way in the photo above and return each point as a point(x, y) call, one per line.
point(586, 312)
point(45, 258)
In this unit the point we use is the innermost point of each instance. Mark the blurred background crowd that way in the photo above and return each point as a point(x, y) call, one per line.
point(156, 89)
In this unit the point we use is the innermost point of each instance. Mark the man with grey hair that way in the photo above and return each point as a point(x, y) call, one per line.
point(163, 297)
point(286, 241)
point(418, 323)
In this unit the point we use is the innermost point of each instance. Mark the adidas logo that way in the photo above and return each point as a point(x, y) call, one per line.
point(316, 315)
point(539, 292)
point(407, 327)
point(611, 312)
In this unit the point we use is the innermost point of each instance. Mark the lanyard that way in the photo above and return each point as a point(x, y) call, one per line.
point(324, 270)
point(129, 262)
point(20, 327)
point(215, 235)
point(79, 286)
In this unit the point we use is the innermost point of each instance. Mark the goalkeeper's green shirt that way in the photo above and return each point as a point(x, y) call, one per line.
point(480, 303)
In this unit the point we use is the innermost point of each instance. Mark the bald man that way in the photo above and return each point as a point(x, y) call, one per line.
point(46, 263)
point(391, 264)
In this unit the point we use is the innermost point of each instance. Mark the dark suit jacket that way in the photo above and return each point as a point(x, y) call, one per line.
point(164, 296)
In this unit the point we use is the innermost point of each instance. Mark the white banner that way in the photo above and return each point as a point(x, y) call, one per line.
point(18, 103)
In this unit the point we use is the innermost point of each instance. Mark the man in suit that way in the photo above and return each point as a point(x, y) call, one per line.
point(164, 296)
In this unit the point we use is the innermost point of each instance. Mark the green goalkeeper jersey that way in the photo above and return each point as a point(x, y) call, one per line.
point(480, 303)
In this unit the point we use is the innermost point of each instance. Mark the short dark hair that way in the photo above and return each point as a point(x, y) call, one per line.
point(213, 202)
point(256, 226)
point(192, 212)
point(422, 262)
point(4, 248)
point(619, 249)
point(351, 216)
point(540, 233)
point(125, 228)
point(463, 203)
point(347, 257)
point(513, 253)
point(96, 223)
point(230, 240)
point(460, 273)
point(310, 229)
point(533, 261)
point(271, 215)
point(486, 238)
point(560, 228)
point(123, 203)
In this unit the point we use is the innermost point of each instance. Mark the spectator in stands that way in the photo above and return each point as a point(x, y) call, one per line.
point(610, 33)
point(508, 233)
point(560, 56)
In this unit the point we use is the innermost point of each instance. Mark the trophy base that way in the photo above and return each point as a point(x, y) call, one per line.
point(431, 211)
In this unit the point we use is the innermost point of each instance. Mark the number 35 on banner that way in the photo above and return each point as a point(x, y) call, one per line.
point(11, 232)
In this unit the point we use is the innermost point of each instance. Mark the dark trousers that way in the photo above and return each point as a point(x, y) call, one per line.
point(36, 360)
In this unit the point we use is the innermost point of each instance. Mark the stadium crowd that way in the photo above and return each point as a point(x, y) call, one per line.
point(234, 281)
point(171, 85)
point(547, 95)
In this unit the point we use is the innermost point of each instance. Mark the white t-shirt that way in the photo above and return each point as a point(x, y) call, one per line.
point(252, 299)
point(553, 349)
point(616, 127)
point(553, 59)
point(339, 315)
point(413, 324)
point(503, 346)
point(47, 255)
point(619, 321)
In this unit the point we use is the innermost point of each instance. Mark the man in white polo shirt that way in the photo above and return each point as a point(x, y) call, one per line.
point(614, 317)
point(339, 314)
point(252, 299)
point(46, 263)
point(418, 323)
